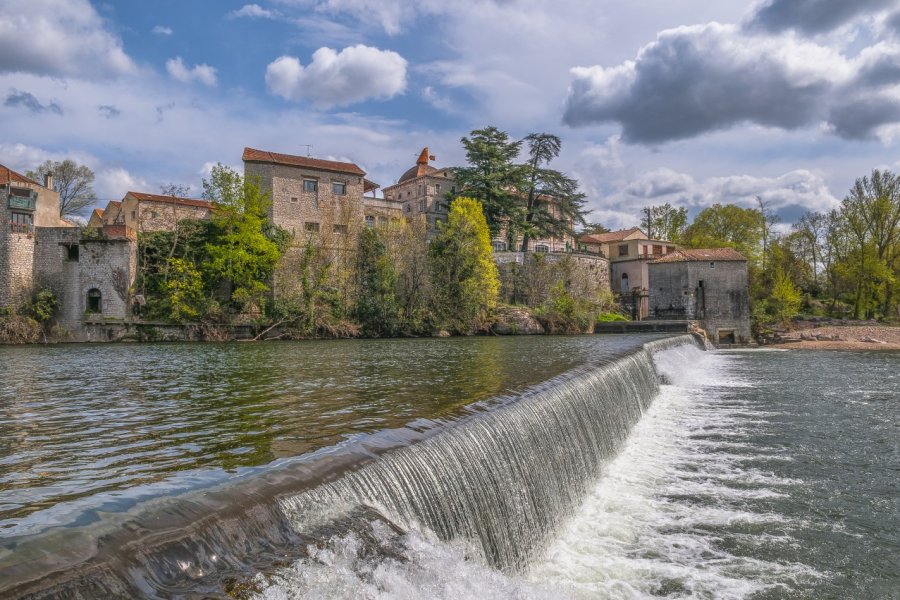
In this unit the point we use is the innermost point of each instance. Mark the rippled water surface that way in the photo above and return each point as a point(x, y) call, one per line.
point(76, 421)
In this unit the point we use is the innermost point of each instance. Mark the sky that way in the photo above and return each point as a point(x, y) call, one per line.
point(689, 102)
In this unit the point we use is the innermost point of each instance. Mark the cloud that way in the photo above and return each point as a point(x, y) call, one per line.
point(113, 183)
point(812, 16)
point(203, 73)
point(354, 74)
point(253, 11)
point(61, 38)
point(18, 99)
point(109, 111)
point(694, 80)
point(162, 30)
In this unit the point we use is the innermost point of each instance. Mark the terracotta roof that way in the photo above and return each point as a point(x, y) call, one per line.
point(612, 236)
point(251, 155)
point(702, 255)
point(141, 196)
point(7, 175)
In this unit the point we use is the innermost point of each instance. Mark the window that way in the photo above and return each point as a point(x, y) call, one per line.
point(370, 221)
point(339, 188)
point(421, 205)
point(339, 229)
point(21, 222)
point(134, 215)
point(152, 214)
point(712, 265)
point(72, 253)
point(420, 189)
point(94, 302)
point(498, 246)
point(623, 250)
point(625, 283)
point(453, 189)
point(293, 198)
point(657, 249)
point(311, 227)
point(382, 221)
point(543, 248)
point(310, 185)
point(437, 188)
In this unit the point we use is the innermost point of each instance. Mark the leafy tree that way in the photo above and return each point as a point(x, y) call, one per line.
point(377, 310)
point(593, 228)
point(492, 176)
point(242, 253)
point(74, 183)
point(183, 289)
point(726, 225)
point(553, 204)
point(664, 222)
point(464, 276)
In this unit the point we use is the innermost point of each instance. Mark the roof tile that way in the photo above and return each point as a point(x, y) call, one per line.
point(702, 255)
point(253, 155)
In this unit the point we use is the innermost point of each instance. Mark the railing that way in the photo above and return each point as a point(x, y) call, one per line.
point(21, 228)
point(22, 202)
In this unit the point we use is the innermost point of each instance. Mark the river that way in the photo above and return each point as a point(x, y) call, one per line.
point(546, 467)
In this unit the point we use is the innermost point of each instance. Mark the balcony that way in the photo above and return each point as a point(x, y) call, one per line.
point(22, 228)
point(28, 203)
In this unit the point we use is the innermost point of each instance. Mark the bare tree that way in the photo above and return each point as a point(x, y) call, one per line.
point(74, 183)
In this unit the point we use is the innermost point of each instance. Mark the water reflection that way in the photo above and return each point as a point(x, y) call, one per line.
point(80, 420)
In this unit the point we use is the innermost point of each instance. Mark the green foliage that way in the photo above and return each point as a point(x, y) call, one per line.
point(610, 317)
point(377, 310)
point(785, 299)
point(565, 314)
point(727, 226)
point(183, 290)
point(665, 222)
point(43, 305)
point(464, 276)
point(242, 253)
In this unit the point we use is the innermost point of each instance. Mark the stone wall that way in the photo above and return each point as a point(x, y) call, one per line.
point(526, 278)
point(106, 261)
point(715, 293)
point(159, 216)
point(306, 213)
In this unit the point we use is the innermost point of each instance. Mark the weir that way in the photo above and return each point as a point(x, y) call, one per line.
point(502, 477)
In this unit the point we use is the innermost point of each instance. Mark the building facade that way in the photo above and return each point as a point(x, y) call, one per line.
point(423, 190)
point(710, 286)
point(144, 212)
point(25, 205)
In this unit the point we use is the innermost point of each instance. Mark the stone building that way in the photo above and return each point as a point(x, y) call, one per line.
point(91, 270)
point(144, 212)
point(629, 252)
point(24, 206)
point(423, 190)
point(710, 286)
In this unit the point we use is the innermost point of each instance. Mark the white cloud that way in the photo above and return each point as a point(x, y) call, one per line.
point(113, 183)
point(253, 11)
point(162, 30)
point(354, 74)
point(202, 73)
point(60, 38)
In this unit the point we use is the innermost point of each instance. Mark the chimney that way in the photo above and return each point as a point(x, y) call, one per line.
point(48, 180)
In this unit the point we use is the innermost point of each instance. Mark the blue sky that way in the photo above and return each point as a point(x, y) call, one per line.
point(688, 101)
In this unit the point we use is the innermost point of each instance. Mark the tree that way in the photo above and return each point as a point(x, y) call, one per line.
point(785, 298)
point(594, 228)
point(492, 177)
point(553, 203)
point(243, 252)
point(74, 183)
point(726, 225)
point(664, 222)
point(767, 220)
point(465, 278)
point(377, 310)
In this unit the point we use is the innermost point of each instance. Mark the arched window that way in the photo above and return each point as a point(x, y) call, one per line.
point(624, 283)
point(542, 248)
point(499, 245)
point(94, 302)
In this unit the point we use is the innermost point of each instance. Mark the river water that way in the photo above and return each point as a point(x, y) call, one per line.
point(746, 474)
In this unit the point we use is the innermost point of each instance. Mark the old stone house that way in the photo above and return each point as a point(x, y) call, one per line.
point(24, 206)
point(424, 190)
point(144, 212)
point(707, 285)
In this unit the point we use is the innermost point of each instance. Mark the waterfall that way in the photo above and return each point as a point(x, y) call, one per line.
point(503, 478)
point(508, 477)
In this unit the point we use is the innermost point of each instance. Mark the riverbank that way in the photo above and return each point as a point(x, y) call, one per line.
point(841, 337)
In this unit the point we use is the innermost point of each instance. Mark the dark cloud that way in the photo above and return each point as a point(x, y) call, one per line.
point(109, 111)
point(18, 99)
point(859, 118)
point(880, 67)
point(812, 16)
point(698, 79)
